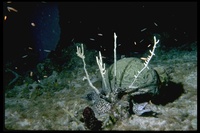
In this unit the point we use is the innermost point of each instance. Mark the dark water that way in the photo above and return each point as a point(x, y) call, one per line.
point(40, 30)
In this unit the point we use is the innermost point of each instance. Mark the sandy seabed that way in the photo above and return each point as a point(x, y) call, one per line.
point(62, 110)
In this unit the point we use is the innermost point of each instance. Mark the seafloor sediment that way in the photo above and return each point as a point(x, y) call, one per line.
point(57, 102)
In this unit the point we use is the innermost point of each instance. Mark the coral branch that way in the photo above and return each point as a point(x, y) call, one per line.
point(80, 53)
point(145, 63)
point(102, 68)
point(115, 59)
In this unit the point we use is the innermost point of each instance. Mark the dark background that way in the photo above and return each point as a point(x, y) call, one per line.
point(175, 22)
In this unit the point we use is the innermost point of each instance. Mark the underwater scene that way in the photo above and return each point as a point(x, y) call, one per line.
point(99, 66)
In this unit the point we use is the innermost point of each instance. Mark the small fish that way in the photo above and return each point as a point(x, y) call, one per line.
point(143, 29)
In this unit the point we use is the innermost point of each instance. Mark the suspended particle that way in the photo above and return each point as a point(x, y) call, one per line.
point(48, 51)
point(141, 40)
point(24, 56)
point(119, 44)
point(175, 40)
point(31, 73)
point(33, 24)
point(11, 9)
point(149, 45)
point(135, 43)
point(143, 29)
point(92, 39)
point(15, 67)
point(99, 34)
point(142, 58)
point(30, 48)
point(122, 56)
point(45, 76)
point(5, 17)
point(155, 24)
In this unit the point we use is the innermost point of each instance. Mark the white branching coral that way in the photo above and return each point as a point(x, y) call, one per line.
point(145, 63)
point(115, 60)
point(112, 91)
point(102, 68)
point(80, 53)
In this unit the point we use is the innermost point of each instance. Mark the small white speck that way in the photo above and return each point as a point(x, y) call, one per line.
point(30, 48)
point(92, 39)
point(5, 17)
point(24, 56)
point(33, 24)
point(155, 24)
point(48, 51)
point(141, 40)
point(143, 29)
point(100, 34)
point(31, 73)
